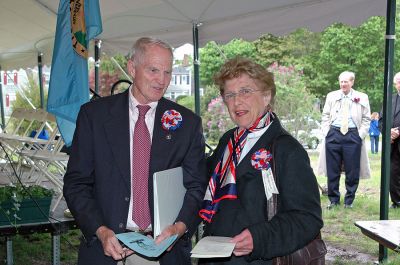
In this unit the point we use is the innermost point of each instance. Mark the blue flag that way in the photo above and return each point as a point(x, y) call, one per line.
point(78, 21)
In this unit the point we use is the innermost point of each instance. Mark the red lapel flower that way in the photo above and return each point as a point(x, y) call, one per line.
point(356, 100)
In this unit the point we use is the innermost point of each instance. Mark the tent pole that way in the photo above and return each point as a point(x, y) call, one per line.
point(2, 104)
point(387, 119)
point(40, 72)
point(196, 65)
point(97, 47)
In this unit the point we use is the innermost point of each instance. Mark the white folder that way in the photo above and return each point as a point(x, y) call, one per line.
point(168, 194)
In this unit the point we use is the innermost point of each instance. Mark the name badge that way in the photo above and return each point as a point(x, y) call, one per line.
point(269, 183)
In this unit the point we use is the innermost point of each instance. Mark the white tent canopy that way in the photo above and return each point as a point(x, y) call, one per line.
point(28, 26)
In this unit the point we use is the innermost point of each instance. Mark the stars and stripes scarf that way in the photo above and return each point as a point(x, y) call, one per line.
point(222, 184)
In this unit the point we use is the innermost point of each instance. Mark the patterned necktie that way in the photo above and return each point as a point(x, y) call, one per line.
point(140, 170)
point(344, 127)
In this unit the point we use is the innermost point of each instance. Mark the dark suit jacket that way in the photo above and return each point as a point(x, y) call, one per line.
point(298, 220)
point(395, 117)
point(98, 179)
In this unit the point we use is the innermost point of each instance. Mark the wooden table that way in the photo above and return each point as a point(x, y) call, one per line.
point(386, 232)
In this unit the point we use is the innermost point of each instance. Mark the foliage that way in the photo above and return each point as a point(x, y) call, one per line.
point(35, 249)
point(320, 56)
point(294, 103)
point(21, 192)
point(216, 121)
point(109, 74)
point(186, 101)
point(213, 55)
point(210, 93)
point(354, 49)
point(270, 49)
point(12, 198)
point(29, 91)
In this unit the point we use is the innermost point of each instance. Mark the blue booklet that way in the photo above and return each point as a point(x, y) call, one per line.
point(145, 245)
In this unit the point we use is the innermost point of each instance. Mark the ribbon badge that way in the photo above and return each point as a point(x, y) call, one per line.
point(261, 160)
point(171, 120)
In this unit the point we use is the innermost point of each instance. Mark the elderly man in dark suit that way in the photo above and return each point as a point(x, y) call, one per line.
point(108, 185)
point(395, 147)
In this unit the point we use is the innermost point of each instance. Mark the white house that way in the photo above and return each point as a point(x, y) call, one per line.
point(14, 81)
point(181, 81)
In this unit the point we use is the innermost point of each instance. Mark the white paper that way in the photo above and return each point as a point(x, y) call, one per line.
point(213, 247)
point(168, 195)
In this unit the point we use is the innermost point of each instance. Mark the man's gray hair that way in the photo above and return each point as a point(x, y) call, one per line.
point(140, 46)
point(349, 74)
point(396, 76)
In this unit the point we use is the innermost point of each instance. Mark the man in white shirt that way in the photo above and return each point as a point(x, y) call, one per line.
point(345, 123)
point(119, 142)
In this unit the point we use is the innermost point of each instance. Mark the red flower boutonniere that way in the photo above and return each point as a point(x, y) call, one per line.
point(261, 159)
point(356, 100)
point(171, 120)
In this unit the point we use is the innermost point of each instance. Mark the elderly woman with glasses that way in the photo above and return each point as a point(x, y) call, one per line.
point(255, 165)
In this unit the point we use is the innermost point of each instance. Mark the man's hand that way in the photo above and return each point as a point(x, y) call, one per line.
point(111, 245)
point(244, 243)
point(179, 228)
point(394, 134)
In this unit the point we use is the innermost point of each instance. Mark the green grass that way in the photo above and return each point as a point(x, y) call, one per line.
point(35, 249)
point(339, 230)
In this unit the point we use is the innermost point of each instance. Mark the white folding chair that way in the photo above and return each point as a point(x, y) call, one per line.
point(48, 162)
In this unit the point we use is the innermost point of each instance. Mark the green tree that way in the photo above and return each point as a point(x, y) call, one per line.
point(269, 49)
point(360, 50)
point(210, 93)
point(213, 55)
point(294, 103)
point(186, 101)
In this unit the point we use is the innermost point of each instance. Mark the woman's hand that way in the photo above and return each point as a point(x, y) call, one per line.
point(244, 243)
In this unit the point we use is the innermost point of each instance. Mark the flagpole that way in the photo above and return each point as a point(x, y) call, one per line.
point(40, 68)
point(97, 48)
point(2, 104)
point(387, 120)
point(196, 66)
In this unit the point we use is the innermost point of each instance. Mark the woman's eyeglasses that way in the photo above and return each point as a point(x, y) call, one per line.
point(243, 93)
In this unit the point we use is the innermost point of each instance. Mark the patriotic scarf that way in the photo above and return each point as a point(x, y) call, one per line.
point(222, 184)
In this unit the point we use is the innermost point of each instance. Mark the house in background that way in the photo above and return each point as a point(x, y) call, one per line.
point(181, 81)
point(16, 81)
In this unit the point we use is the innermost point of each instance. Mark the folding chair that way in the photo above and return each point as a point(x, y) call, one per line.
point(48, 162)
point(17, 135)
